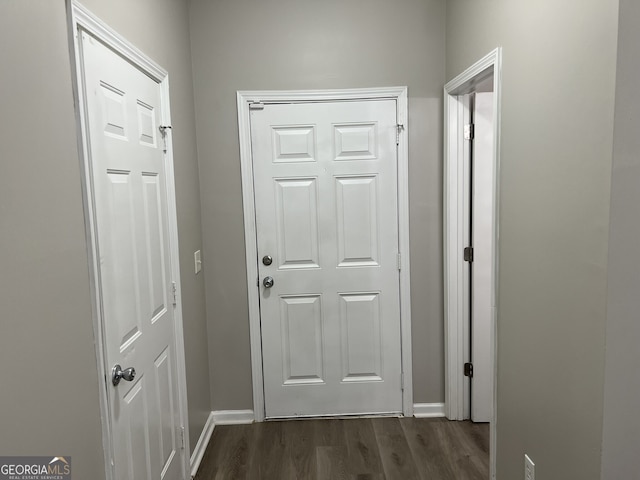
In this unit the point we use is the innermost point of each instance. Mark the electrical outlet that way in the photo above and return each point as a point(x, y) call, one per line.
point(198, 261)
point(529, 469)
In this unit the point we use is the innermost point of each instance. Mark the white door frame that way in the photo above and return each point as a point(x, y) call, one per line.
point(82, 19)
point(244, 98)
point(455, 216)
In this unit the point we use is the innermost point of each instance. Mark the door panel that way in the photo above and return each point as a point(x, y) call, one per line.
point(355, 142)
point(357, 227)
point(136, 440)
point(302, 341)
point(297, 217)
point(131, 221)
point(164, 381)
point(294, 144)
point(482, 241)
point(325, 180)
point(361, 339)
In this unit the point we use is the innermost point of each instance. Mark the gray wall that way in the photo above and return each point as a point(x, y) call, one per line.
point(621, 435)
point(557, 128)
point(292, 44)
point(161, 30)
point(49, 402)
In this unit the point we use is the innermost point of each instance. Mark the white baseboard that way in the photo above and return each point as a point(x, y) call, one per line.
point(428, 410)
point(218, 417)
point(233, 417)
point(201, 446)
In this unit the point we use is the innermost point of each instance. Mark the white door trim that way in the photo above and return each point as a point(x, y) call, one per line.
point(82, 19)
point(244, 98)
point(454, 291)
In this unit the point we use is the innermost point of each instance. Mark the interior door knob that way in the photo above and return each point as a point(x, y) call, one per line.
point(118, 374)
point(268, 282)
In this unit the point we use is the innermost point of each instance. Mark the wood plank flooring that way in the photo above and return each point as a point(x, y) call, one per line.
point(349, 449)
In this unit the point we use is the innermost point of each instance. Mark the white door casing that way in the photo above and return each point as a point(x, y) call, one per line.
point(130, 211)
point(325, 179)
point(296, 185)
point(456, 218)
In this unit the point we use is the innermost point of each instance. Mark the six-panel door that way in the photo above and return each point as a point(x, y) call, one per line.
point(129, 195)
point(325, 179)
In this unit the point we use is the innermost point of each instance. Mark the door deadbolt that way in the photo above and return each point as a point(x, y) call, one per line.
point(267, 260)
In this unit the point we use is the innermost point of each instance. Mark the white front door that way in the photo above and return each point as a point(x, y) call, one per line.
point(130, 206)
point(325, 180)
point(482, 308)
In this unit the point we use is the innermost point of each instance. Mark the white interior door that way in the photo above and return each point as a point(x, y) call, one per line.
point(325, 179)
point(130, 203)
point(482, 308)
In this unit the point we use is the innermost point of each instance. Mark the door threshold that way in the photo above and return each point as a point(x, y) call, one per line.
point(340, 416)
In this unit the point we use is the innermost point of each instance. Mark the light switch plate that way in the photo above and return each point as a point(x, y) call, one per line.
point(198, 261)
point(529, 469)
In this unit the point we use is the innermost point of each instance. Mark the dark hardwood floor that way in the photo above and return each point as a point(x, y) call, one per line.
point(349, 449)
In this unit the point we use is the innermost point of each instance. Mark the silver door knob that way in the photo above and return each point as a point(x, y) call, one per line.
point(268, 282)
point(118, 374)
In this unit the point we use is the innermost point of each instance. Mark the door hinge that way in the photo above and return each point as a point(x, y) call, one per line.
point(402, 381)
point(174, 292)
point(256, 106)
point(399, 261)
point(399, 127)
point(468, 254)
point(469, 131)
point(468, 370)
point(182, 442)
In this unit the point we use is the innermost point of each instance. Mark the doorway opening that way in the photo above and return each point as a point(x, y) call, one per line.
point(302, 154)
point(471, 175)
